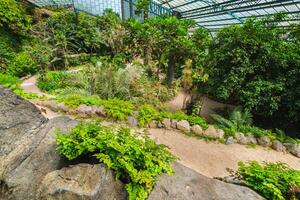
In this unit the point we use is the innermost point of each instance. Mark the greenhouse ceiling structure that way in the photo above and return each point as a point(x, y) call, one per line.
point(211, 14)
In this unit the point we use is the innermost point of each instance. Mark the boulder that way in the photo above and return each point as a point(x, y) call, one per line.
point(26, 175)
point(183, 125)
point(197, 129)
point(99, 110)
point(174, 123)
point(230, 140)
point(293, 148)
point(152, 124)
point(84, 110)
point(211, 131)
point(82, 181)
point(52, 105)
point(62, 107)
point(186, 184)
point(242, 139)
point(166, 123)
point(278, 146)
point(27, 146)
point(132, 121)
point(264, 141)
point(252, 139)
point(159, 125)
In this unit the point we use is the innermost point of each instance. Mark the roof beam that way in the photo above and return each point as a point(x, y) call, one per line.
point(240, 9)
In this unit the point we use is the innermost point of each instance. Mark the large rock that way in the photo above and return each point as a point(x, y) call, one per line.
point(197, 129)
point(186, 184)
point(212, 132)
point(293, 148)
point(82, 181)
point(278, 146)
point(265, 141)
point(132, 121)
point(183, 125)
point(19, 124)
point(166, 123)
point(28, 149)
point(23, 180)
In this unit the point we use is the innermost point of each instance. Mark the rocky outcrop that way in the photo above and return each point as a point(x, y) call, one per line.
point(82, 181)
point(28, 148)
point(32, 169)
point(187, 184)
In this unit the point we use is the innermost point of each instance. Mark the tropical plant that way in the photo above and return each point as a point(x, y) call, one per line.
point(235, 121)
point(134, 157)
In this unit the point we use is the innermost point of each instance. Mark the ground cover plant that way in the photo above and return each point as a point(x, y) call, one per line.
point(135, 158)
point(275, 181)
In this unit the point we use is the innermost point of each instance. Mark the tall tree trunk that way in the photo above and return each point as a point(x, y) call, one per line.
point(171, 68)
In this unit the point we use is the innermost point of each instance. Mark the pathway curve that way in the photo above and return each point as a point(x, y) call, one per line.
point(208, 158)
point(212, 158)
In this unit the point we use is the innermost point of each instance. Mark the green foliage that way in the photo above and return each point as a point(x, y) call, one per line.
point(9, 81)
point(140, 161)
point(146, 114)
point(115, 108)
point(8, 45)
point(256, 65)
point(274, 181)
point(52, 81)
point(14, 18)
point(235, 121)
point(21, 65)
point(118, 109)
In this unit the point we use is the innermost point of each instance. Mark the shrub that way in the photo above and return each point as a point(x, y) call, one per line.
point(146, 114)
point(115, 108)
point(118, 109)
point(138, 161)
point(272, 180)
point(9, 81)
point(52, 81)
point(21, 65)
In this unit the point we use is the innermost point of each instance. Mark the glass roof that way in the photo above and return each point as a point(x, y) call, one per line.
point(215, 14)
point(211, 14)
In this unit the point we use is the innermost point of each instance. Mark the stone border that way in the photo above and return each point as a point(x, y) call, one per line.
point(85, 111)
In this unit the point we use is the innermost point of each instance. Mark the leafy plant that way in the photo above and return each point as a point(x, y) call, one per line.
point(273, 180)
point(52, 81)
point(14, 17)
point(236, 120)
point(118, 109)
point(146, 114)
point(138, 161)
point(22, 64)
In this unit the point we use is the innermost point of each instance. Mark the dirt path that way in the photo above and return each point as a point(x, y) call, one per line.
point(208, 158)
point(212, 159)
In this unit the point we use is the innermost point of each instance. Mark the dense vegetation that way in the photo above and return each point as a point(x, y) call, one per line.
point(272, 180)
point(134, 157)
point(254, 65)
point(257, 66)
